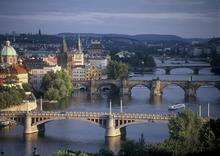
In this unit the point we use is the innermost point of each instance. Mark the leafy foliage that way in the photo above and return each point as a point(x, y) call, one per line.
point(57, 86)
point(11, 96)
point(27, 87)
point(136, 60)
point(117, 70)
point(188, 135)
point(102, 152)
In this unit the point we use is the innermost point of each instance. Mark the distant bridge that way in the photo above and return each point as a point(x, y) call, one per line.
point(113, 123)
point(194, 67)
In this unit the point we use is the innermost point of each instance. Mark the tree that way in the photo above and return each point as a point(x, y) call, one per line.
point(11, 96)
point(188, 135)
point(130, 148)
point(65, 76)
point(105, 152)
point(117, 70)
point(57, 86)
point(27, 87)
point(52, 94)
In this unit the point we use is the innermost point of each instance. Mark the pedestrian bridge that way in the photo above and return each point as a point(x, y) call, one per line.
point(113, 123)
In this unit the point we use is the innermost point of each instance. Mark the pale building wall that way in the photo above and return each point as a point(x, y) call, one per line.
point(38, 74)
point(27, 106)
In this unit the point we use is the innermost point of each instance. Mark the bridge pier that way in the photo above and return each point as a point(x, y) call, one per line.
point(156, 89)
point(156, 100)
point(167, 71)
point(28, 128)
point(196, 71)
point(190, 93)
point(111, 131)
point(125, 91)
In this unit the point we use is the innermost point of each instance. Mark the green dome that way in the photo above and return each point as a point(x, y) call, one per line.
point(8, 50)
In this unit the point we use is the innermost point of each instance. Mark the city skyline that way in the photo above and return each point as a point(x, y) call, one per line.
point(198, 18)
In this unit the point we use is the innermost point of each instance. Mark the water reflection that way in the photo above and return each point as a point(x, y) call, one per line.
point(30, 143)
point(78, 135)
point(113, 143)
point(156, 100)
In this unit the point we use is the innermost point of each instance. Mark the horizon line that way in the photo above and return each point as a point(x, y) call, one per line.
point(35, 33)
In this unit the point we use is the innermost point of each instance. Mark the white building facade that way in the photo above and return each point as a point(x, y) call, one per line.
point(37, 74)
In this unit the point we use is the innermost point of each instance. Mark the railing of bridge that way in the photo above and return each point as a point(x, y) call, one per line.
point(90, 114)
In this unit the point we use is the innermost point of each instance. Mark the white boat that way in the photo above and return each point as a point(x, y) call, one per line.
point(177, 106)
point(4, 123)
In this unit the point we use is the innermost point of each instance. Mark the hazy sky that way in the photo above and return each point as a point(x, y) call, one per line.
point(187, 18)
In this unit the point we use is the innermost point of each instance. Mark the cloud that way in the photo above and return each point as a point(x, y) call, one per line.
point(185, 17)
point(100, 17)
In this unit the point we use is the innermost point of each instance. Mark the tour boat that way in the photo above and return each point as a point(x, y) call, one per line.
point(177, 106)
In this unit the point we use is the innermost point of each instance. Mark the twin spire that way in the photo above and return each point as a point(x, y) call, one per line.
point(79, 45)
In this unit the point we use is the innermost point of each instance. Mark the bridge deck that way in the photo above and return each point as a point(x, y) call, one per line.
point(89, 114)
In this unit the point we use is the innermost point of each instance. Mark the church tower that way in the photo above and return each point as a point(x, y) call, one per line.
point(63, 57)
point(78, 57)
point(79, 44)
point(64, 45)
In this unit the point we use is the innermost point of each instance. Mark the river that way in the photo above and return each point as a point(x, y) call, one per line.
point(78, 135)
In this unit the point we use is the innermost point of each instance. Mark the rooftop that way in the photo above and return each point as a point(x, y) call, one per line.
point(8, 50)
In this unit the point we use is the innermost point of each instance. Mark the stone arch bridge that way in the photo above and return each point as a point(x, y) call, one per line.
point(113, 123)
point(194, 67)
point(155, 86)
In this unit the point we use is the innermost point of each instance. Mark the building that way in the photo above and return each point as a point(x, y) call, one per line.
point(97, 55)
point(82, 73)
point(63, 56)
point(13, 75)
point(100, 63)
point(78, 73)
point(93, 73)
point(51, 60)
point(39, 53)
point(197, 51)
point(95, 49)
point(8, 54)
point(78, 56)
point(78, 63)
point(37, 74)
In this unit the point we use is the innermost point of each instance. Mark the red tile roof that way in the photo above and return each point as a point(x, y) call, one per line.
point(14, 69)
point(18, 69)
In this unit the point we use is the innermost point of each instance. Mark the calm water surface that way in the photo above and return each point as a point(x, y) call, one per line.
point(78, 135)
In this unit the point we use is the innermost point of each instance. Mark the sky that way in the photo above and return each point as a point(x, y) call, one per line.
point(186, 18)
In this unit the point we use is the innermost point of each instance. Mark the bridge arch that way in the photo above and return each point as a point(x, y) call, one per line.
point(81, 85)
point(133, 122)
point(188, 70)
point(18, 120)
point(90, 121)
point(201, 70)
point(179, 86)
point(111, 86)
point(147, 86)
point(210, 86)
